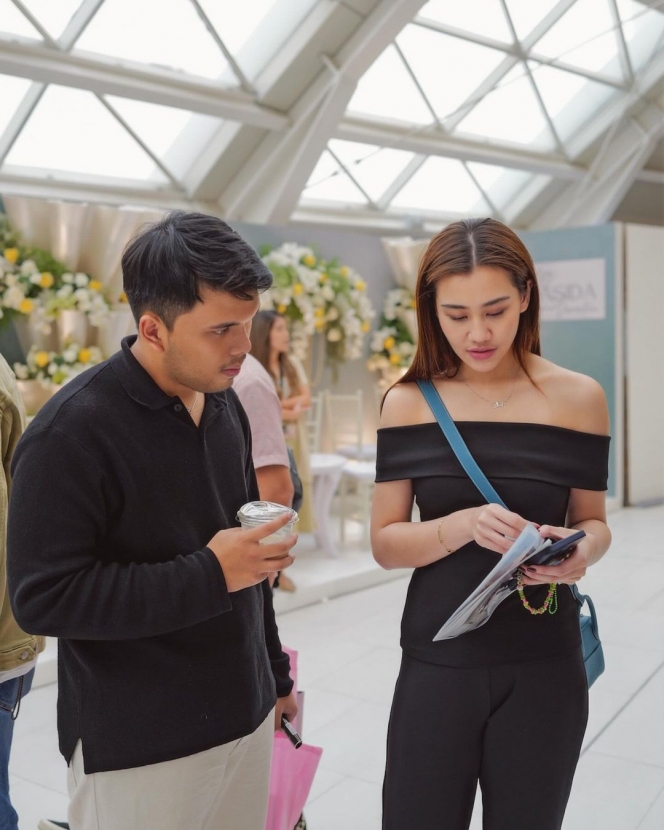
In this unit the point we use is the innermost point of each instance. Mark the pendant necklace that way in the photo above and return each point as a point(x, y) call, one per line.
point(193, 405)
point(495, 404)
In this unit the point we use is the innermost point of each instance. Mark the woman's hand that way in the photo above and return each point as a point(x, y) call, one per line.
point(496, 528)
point(571, 569)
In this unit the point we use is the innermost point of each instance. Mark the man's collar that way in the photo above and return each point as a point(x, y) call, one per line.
point(135, 380)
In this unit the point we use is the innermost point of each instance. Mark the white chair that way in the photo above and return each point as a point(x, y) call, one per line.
point(345, 423)
point(315, 422)
point(363, 474)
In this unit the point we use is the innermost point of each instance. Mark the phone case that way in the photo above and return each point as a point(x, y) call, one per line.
point(558, 551)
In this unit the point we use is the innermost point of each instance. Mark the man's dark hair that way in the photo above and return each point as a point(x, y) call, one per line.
point(165, 265)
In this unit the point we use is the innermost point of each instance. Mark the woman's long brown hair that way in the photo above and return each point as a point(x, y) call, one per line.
point(459, 249)
point(260, 349)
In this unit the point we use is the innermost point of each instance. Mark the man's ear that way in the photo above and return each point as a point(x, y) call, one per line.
point(152, 330)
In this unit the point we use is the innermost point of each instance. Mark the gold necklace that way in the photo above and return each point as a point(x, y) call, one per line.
point(193, 404)
point(494, 404)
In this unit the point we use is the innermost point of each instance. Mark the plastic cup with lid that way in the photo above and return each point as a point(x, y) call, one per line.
point(256, 513)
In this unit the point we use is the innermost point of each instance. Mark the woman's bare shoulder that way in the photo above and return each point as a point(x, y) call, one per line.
point(578, 400)
point(403, 406)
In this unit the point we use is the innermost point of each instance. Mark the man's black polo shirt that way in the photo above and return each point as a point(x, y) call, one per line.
point(115, 494)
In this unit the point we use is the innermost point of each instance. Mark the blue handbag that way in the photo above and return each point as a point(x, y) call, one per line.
point(591, 645)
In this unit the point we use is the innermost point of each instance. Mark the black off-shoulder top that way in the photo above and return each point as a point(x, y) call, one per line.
point(533, 467)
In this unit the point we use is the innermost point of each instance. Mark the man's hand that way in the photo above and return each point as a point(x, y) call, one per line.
point(286, 706)
point(244, 560)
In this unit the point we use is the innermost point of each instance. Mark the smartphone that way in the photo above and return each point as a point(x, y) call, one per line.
point(292, 735)
point(558, 551)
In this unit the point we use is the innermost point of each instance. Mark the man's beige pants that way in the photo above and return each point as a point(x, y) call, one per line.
point(225, 788)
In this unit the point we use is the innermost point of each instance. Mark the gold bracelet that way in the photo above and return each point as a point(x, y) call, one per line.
point(440, 538)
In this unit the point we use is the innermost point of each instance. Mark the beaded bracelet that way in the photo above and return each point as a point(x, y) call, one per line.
point(440, 538)
point(550, 603)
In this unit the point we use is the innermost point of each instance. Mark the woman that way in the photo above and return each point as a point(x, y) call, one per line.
point(504, 705)
point(270, 344)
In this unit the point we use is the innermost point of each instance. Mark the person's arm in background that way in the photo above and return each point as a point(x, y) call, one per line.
point(261, 403)
point(275, 484)
point(293, 407)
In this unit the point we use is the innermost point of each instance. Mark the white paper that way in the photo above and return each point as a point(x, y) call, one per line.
point(495, 587)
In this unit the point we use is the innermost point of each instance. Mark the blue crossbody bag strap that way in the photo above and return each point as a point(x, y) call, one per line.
point(457, 443)
point(593, 655)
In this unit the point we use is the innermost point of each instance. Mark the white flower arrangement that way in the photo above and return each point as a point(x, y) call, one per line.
point(393, 344)
point(318, 295)
point(32, 281)
point(54, 369)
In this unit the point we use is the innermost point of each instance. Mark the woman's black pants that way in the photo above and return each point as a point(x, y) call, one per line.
point(517, 730)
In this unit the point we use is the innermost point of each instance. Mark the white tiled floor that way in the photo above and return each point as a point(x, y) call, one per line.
point(349, 657)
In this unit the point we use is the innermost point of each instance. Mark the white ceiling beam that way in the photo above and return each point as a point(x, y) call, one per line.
point(427, 142)
point(593, 201)
point(270, 192)
point(79, 22)
point(625, 60)
point(106, 77)
point(650, 176)
point(19, 119)
point(401, 180)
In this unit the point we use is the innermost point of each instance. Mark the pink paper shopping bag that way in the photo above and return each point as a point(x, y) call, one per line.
point(291, 778)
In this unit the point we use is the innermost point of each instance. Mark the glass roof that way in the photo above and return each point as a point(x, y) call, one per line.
point(453, 73)
point(515, 83)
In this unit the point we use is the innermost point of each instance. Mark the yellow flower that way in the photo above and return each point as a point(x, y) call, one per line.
point(94, 285)
point(395, 359)
point(320, 324)
point(412, 303)
point(26, 306)
point(42, 359)
point(123, 298)
point(309, 260)
point(344, 272)
point(366, 327)
point(281, 308)
point(360, 285)
point(319, 312)
point(84, 356)
point(323, 278)
point(46, 280)
point(297, 289)
point(11, 254)
point(389, 343)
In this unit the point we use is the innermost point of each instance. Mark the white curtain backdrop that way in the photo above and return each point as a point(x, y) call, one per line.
point(85, 237)
point(404, 255)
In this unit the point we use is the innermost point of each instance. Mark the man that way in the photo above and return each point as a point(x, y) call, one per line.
point(169, 657)
point(18, 650)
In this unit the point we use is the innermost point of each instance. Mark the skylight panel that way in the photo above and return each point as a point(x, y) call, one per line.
point(387, 90)
point(255, 31)
point(643, 28)
point(12, 22)
point(569, 99)
point(527, 14)
point(501, 184)
point(329, 183)
point(166, 33)
point(92, 143)
point(12, 92)
point(157, 126)
point(54, 15)
point(436, 60)
point(480, 17)
point(441, 185)
point(510, 113)
point(374, 168)
point(584, 37)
